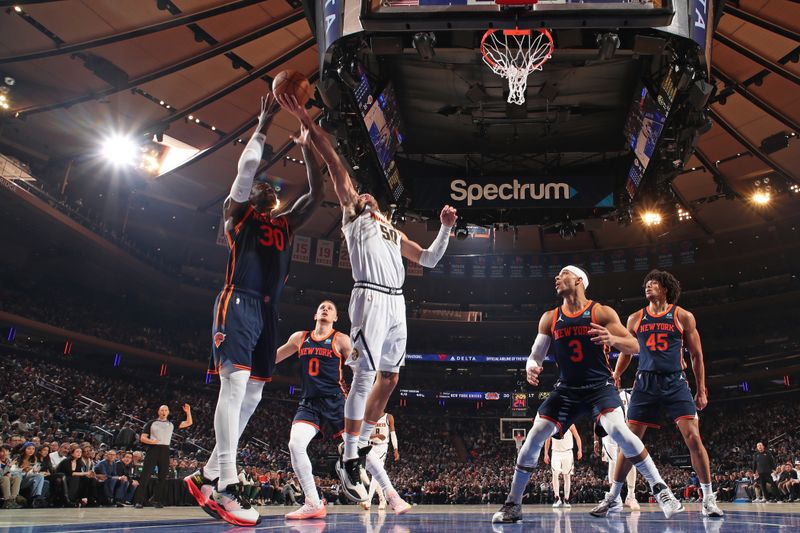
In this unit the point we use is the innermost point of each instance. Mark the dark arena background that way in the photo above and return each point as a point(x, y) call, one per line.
point(657, 134)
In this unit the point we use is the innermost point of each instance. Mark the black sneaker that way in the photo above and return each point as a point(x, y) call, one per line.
point(362, 464)
point(158, 505)
point(509, 513)
point(349, 473)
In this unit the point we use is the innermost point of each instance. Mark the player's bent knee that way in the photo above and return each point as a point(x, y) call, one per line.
point(614, 424)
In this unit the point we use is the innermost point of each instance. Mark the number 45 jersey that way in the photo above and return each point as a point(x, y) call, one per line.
point(374, 247)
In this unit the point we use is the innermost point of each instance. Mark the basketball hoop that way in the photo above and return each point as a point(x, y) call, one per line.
point(519, 440)
point(514, 54)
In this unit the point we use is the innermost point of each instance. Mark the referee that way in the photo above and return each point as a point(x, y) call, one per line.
point(157, 435)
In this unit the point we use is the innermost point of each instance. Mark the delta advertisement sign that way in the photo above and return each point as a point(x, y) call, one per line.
point(515, 192)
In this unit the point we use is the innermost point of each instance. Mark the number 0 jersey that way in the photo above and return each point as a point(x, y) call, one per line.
point(320, 366)
point(660, 341)
point(260, 254)
point(374, 248)
point(581, 363)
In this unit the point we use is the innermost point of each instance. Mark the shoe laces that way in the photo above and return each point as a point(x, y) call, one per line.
point(664, 497)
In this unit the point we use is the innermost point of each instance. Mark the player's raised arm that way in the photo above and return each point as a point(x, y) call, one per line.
point(692, 338)
point(236, 204)
point(430, 256)
point(304, 207)
point(291, 347)
point(624, 359)
point(608, 330)
point(342, 183)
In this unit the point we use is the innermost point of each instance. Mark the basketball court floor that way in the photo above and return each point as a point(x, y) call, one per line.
point(739, 518)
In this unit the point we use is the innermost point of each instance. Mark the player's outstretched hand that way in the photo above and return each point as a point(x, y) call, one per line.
point(290, 104)
point(601, 335)
point(448, 216)
point(269, 108)
point(533, 375)
point(186, 408)
point(302, 138)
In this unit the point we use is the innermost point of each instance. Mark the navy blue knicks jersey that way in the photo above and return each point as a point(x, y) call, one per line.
point(580, 361)
point(320, 366)
point(660, 341)
point(260, 253)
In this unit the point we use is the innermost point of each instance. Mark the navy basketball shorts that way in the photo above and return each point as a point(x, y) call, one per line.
point(244, 334)
point(566, 405)
point(653, 392)
point(326, 413)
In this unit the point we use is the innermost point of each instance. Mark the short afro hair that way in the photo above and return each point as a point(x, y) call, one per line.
point(666, 280)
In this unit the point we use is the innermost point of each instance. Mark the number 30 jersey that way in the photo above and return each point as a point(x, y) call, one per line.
point(581, 363)
point(660, 341)
point(374, 248)
point(260, 254)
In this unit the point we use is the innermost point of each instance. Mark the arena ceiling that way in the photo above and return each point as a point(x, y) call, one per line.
point(211, 60)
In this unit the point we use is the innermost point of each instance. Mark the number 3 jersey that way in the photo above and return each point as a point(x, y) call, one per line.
point(660, 341)
point(581, 363)
point(374, 247)
point(260, 254)
point(320, 366)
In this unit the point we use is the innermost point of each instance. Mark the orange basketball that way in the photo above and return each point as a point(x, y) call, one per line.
point(292, 82)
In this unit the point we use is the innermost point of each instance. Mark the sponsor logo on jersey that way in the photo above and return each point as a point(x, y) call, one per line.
point(218, 338)
point(354, 354)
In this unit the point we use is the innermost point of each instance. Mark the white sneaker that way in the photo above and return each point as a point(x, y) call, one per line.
point(710, 507)
point(234, 508)
point(557, 503)
point(632, 503)
point(398, 504)
point(606, 506)
point(381, 505)
point(365, 505)
point(308, 510)
point(567, 505)
point(667, 501)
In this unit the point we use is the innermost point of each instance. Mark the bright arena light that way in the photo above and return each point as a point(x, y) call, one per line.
point(761, 198)
point(120, 150)
point(651, 218)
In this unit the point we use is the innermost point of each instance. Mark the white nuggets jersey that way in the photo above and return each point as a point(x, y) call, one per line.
point(564, 444)
point(381, 428)
point(374, 247)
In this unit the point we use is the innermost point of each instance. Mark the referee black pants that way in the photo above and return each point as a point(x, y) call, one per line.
point(157, 456)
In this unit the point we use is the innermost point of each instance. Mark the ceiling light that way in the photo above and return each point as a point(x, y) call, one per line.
point(120, 150)
point(18, 9)
point(651, 218)
point(760, 198)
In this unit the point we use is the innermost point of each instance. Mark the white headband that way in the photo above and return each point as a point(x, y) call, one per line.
point(580, 273)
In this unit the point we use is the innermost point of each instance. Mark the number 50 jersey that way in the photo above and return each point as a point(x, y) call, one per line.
point(374, 247)
point(260, 254)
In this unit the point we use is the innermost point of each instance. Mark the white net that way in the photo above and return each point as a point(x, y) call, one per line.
point(514, 54)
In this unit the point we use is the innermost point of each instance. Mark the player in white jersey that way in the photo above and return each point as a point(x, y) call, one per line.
point(562, 462)
point(610, 452)
point(377, 312)
point(382, 435)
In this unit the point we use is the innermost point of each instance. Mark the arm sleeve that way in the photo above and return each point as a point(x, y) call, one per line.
point(393, 439)
point(538, 351)
point(146, 430)
point(246, 170)
point(431, 256)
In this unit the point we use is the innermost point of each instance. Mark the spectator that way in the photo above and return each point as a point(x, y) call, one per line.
point(33, 484)
point(9, 483)
point(291, 491)
point(59, 454)
point(108, 477)
point(128, 475)
point(79, 480)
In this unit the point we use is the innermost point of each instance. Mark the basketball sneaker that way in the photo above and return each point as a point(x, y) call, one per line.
point(509, 513)
point(710, 507)
point(307, 511)
point(666, 500)
point(608, 505)
point(351, 475)
point(566, 504)
point(234, 508)
point(201, 488)
point(365, 505)
point(632, 503)
point(398, 504)
point(381, 504)
point(557, 503)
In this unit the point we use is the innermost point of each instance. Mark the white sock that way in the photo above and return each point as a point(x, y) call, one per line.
point(556, 485)
point(707, 490)
point(299, 438)
point(367, 426)
point(567, 485)
point(350, 446)
point(252, 397)
point(647, 468)
point(375, 467)
point(226, 424)
point(616, 489)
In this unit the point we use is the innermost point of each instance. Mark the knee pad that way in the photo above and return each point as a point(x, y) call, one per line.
point(614, 424)
point(356, 402)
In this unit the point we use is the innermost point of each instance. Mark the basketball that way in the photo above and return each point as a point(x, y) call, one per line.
point(292, 82)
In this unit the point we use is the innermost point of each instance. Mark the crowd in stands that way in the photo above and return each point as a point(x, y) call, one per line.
point(59, 423)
